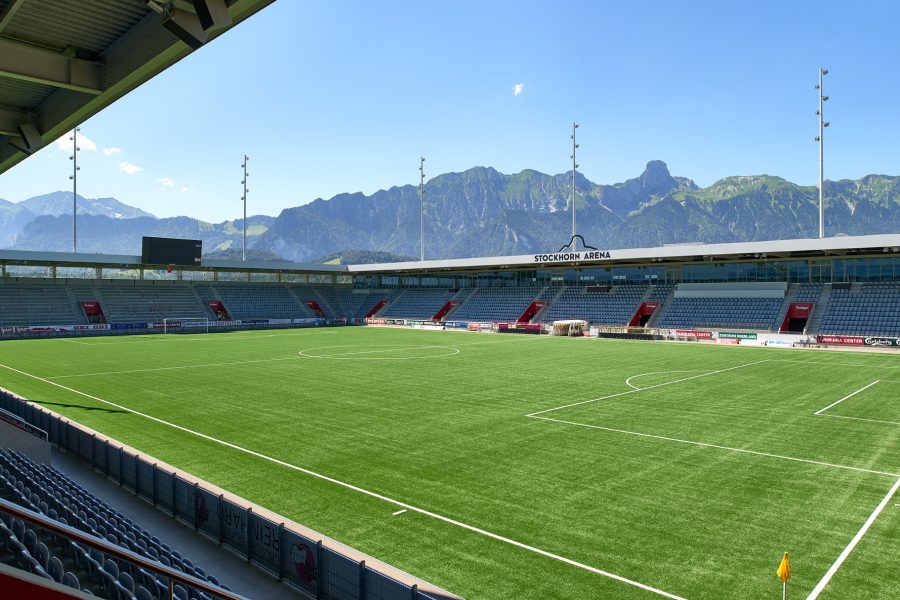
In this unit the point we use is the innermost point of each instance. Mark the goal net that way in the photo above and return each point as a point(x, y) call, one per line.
point(186, 324)
point(571, 328)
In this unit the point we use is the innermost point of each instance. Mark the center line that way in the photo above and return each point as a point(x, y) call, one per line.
point(399, 512)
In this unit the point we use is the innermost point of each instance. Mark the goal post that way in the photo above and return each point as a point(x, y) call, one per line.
point(186, 323)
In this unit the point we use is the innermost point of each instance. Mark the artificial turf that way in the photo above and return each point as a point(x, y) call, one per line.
point(687, 468)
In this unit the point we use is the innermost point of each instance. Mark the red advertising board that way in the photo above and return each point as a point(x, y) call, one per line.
point(847, 340)
point(700, 335)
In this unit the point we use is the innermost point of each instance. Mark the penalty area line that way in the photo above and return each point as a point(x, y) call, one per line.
point(649, 387)
point(716, 446)
point(856, 539)
point(364, 491)
point(850, 395)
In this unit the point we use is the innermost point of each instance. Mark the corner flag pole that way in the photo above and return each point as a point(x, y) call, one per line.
point(784, 573)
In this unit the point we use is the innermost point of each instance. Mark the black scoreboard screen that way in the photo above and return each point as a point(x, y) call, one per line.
point(169, 251)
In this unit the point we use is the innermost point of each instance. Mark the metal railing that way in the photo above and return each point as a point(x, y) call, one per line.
point(118, 552)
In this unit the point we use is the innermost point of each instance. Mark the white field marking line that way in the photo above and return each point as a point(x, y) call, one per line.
point(389, 349)
point(862, 419)
point(352, 355)
point(540, 412)
point(196, 337)
point(71, 341)
point(821, 410)
point(859, 535)
point(360, 490)
point(833, 364)
point(399, 512)
point(224, 364)
point(628, 381)
point(718, 447)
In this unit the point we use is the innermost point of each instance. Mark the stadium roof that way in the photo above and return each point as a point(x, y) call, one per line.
point(125, 261)
point(769, 250)
point(62, 61)
point(865, 245)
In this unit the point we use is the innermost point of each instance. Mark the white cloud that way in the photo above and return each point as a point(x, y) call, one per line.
point(517, 88)
point(112, 151)
point(184, 189)
point(127, 167)
point(166, 182)
point(84, 143)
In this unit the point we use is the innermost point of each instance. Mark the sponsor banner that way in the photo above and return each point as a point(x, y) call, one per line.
point(128, 326)
point(395, 321)
point(485, 327)
point(700, 335)
point(44, 328)
point(473, 327)
point(457, 324)
point(279, 321)
point(572, 256)
point(728, 341)
point(168, 325)
point(375, 321)
point(780, 344)
point(847, 340)
point(432, 327)
point(882, 341)
point(196, 324)
point(735, 335)
point(94, 327)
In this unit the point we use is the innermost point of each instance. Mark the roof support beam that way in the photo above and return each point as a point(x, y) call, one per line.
point(9, 12)
point(10, 120)
point(26, 63)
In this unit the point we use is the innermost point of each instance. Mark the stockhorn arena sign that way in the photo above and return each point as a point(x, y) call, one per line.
point(572, 256)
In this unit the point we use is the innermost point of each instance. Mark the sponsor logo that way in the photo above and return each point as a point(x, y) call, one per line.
point(880, 341)
point(700, 335)
point(850, 340)
point(572, 256)
point(735, 335)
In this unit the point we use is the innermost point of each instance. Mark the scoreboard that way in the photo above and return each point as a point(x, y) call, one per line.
point(170, 251)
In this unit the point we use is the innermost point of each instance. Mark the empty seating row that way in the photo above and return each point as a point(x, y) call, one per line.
point(418, 303)
point(613, 306)
point(872, 309)
point(147, 302)
point(495, 304)
point(36, 304)
point(739, 313)
point(45, 490)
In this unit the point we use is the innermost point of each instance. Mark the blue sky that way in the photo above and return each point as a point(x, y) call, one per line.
point(330, 97)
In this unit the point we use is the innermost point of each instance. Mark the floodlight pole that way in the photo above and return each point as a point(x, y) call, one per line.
point(74, 178)
point(244, 198)
point(821, 139)
point(422, 208)
point(574, 167)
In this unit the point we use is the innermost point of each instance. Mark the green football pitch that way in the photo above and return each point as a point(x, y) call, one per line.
point(504, 466)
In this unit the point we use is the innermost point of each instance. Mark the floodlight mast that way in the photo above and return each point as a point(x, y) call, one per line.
point(821, 139)
point(74, 178)
point(421, 208)
point(574, 167)
point(244, 198)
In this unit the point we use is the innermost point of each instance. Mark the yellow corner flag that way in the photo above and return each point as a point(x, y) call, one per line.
point(784, 569)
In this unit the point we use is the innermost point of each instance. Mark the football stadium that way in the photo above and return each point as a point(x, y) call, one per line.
point(690, 421)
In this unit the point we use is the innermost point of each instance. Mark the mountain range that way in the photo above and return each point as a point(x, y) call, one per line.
point(482, 212)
